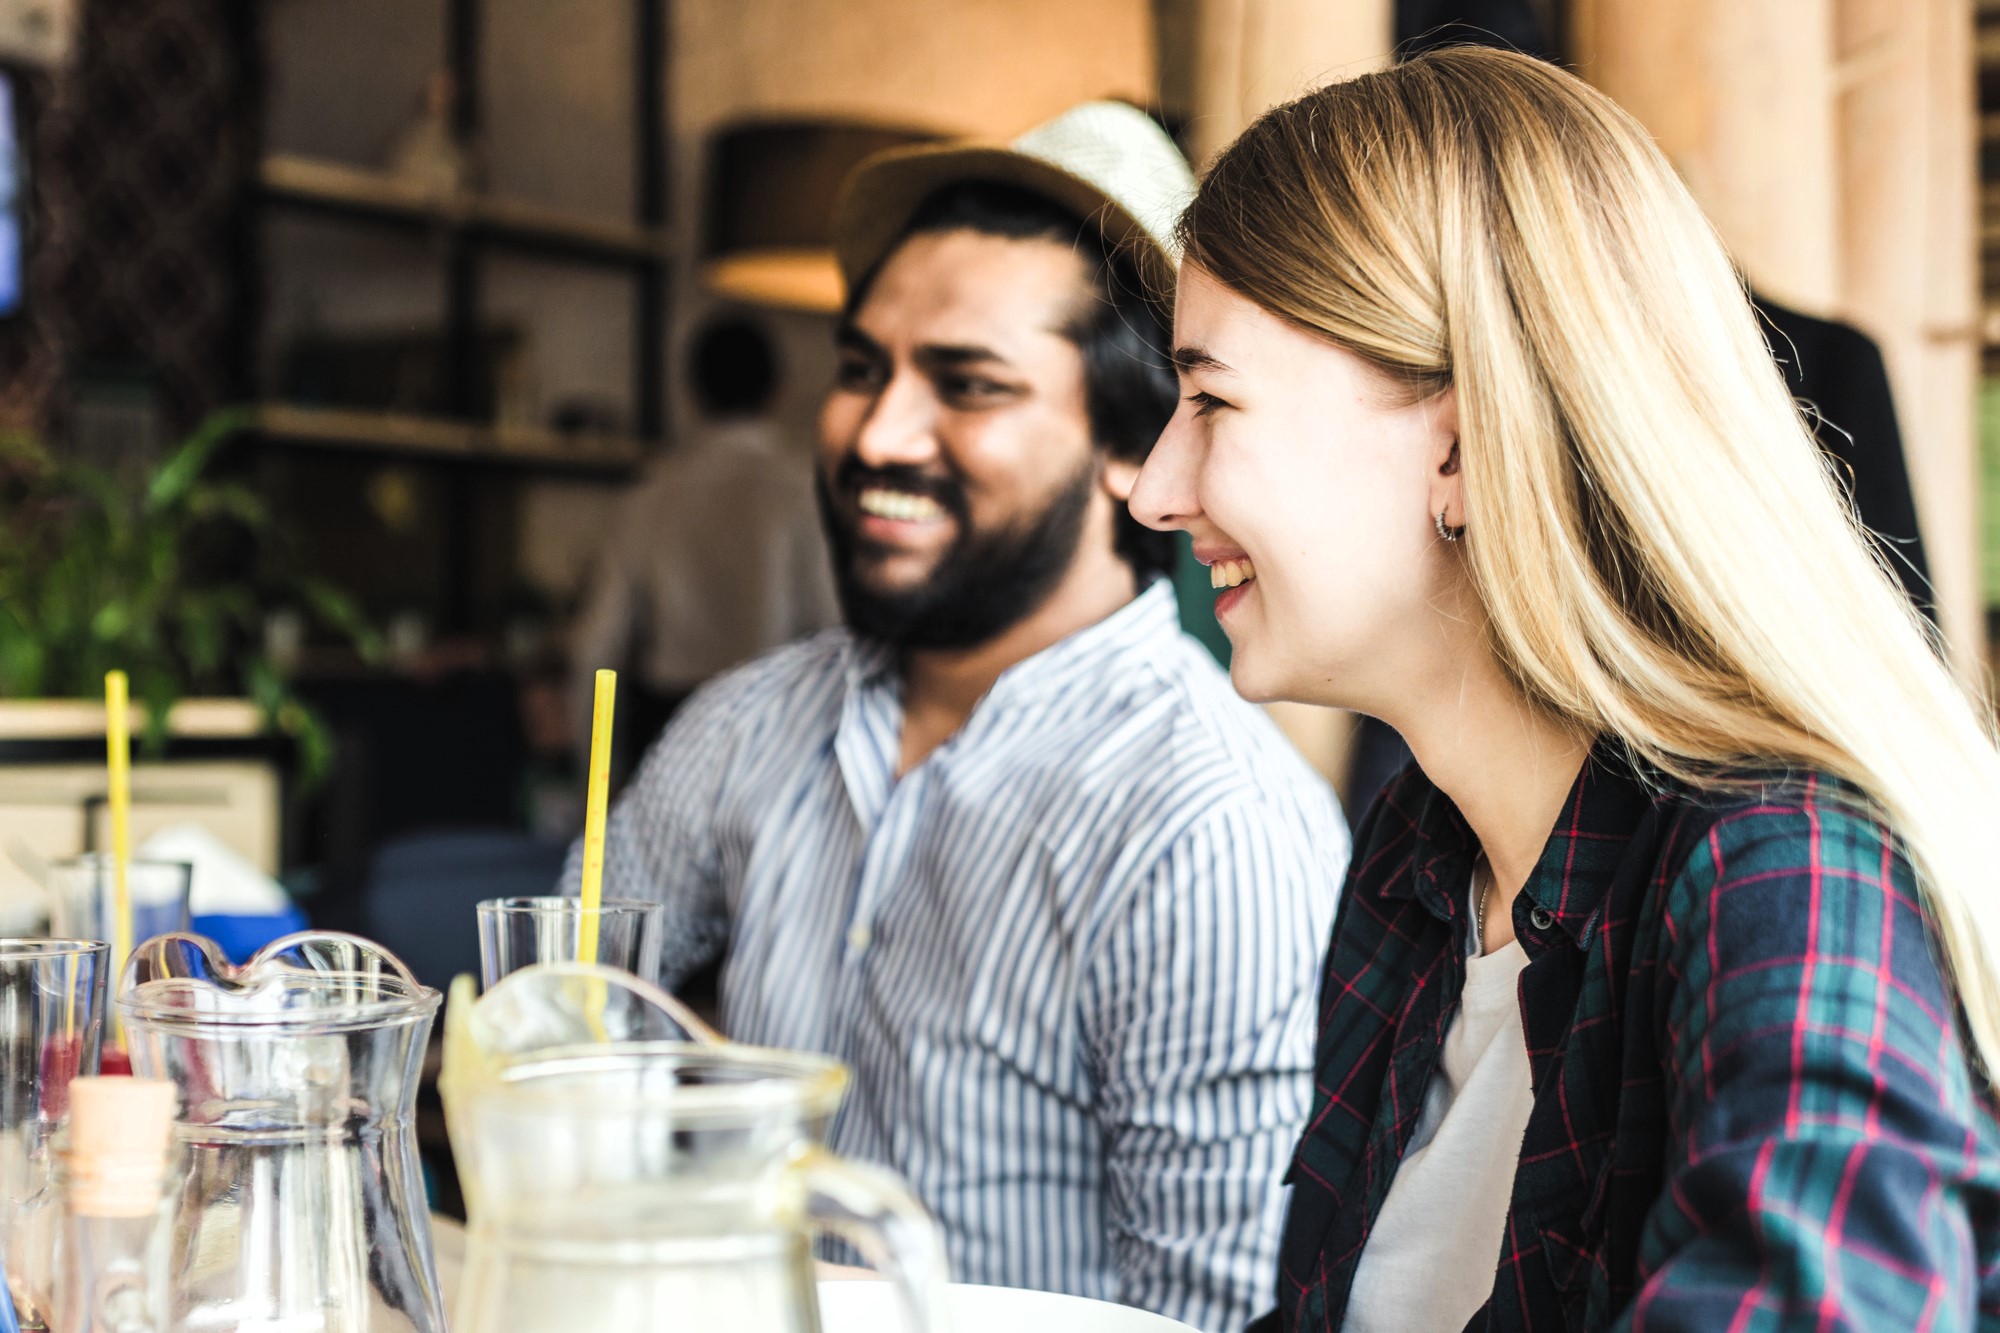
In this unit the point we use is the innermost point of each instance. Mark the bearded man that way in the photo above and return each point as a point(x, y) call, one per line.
point(1007, 843)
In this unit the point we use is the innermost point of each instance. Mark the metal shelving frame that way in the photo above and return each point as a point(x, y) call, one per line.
point(471, 227)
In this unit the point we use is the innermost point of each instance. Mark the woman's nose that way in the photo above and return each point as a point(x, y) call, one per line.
point(1164, 495)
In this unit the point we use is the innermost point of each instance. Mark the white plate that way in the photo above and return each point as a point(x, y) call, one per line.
point(870, 1307)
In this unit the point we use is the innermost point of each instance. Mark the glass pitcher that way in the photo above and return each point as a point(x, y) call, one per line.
point(666, 1185)
point(302, 1210)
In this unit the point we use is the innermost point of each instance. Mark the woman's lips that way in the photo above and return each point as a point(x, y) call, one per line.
point(1230, 573)
point(1229, 598)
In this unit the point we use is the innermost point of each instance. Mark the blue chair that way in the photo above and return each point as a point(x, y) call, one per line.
point(421, 890)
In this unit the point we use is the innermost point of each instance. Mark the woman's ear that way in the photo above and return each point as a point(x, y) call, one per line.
point(1447, 482)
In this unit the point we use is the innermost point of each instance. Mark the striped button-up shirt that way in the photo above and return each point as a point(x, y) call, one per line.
point(1752, 1106)
point(1070, 956)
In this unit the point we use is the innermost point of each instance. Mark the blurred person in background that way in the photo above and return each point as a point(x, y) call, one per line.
point(713, 557)
point(1663, 993)
point(1006, 842)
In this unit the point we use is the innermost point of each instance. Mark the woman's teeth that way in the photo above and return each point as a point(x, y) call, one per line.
point(1229, 573)
point(899, 505)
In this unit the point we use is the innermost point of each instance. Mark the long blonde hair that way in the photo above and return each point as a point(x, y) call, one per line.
point(1660, 551)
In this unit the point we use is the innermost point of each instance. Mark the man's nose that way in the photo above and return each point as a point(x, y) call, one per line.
point(900, 426)
point(1164, 495)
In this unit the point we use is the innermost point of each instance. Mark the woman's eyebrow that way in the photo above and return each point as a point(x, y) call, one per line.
point(1187, 359)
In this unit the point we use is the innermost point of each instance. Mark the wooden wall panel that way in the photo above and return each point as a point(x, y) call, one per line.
point(1739, 97)
point(1832, 143)
point(1256, 54)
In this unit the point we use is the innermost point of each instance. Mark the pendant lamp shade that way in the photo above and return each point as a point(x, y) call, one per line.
point(770, 191)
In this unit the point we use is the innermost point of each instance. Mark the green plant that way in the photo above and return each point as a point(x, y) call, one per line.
point(143, 569)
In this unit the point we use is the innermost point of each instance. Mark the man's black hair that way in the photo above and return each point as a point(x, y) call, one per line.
point(1129, 386)
point(733, 368)
point(1509, 25)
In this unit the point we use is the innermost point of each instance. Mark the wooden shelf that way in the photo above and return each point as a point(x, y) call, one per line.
point(334, 187)
point(438, 437)
point(83, 719)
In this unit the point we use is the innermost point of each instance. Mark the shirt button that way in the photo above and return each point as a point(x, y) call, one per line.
point(1541, 919)
point(859, 937)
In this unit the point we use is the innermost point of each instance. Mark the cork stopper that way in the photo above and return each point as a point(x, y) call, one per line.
point(119, 1133)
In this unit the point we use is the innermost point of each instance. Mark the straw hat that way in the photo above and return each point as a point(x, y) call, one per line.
point(1108, 161)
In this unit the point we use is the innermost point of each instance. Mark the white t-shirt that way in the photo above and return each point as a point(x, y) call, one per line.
point(1429, 1262)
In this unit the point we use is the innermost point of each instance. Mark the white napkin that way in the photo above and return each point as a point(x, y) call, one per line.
point(224, 883)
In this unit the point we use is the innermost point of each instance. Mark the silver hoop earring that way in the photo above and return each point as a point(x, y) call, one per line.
point(1445, 531)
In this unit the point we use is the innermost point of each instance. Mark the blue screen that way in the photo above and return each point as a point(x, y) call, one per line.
point(13, 202)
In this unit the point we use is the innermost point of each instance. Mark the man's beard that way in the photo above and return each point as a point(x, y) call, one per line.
point(983, 585)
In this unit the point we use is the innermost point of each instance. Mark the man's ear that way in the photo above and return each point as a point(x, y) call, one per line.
point(1120, 476)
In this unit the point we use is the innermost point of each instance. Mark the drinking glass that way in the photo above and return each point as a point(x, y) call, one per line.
point(51, 1025)
point(82, 895)
point(515, 932)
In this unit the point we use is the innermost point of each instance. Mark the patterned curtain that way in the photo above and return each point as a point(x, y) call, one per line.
point(142, 154)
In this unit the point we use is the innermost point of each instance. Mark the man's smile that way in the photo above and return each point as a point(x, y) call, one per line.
point(902, 506)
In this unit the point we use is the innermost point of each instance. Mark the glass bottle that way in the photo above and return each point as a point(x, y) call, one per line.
point(111, 1257)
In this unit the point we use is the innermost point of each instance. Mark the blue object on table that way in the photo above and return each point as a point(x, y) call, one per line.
point(9, 1321)
point(241, 936)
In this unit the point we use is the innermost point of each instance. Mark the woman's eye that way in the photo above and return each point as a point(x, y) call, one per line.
point(1205, 403)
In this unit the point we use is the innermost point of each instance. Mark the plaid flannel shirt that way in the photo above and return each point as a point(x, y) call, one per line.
point(1752, 1109)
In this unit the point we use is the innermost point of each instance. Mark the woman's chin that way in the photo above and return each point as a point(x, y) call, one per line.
point(1250, 682)
point(1262, 682)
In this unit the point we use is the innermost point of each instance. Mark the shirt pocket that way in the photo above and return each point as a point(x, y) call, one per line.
point(1573, 1243)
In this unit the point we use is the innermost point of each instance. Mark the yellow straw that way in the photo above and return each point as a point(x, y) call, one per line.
point(118, 745)
point(593, 816)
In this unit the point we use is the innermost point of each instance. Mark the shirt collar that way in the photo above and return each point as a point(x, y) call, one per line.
point(1134, 630)
point(1605, 808)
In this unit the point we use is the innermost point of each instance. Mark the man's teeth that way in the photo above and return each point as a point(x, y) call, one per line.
point(1229, 573)
point(901, 505)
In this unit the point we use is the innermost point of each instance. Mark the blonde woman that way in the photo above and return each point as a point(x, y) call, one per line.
point(1663, 983)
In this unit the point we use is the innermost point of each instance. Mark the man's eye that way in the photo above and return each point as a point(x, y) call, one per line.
point(1205, 403)
point(969, 388)
point(856, 374)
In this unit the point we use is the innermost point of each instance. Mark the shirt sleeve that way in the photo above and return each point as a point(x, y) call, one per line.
point(1198, 1014)
point(1824, 1131)
point(660, 840)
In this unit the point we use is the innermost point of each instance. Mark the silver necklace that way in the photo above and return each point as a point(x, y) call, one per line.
point(1482, 885)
